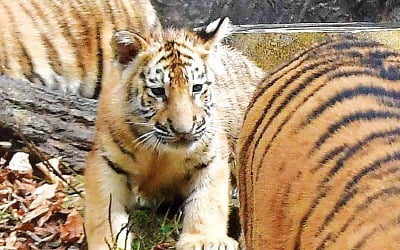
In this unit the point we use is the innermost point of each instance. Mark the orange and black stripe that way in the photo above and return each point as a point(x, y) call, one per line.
point(62, 44)
point(320, 151)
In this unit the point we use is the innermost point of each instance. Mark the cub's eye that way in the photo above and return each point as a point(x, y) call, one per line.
point(197, 87)
point(159, 92)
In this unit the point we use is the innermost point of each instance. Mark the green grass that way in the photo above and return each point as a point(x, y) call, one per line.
point(6, 215)
point(150, 229)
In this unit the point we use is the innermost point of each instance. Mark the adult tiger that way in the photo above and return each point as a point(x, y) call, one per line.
point(165, 114)
point(320, 151)
point(65, 44)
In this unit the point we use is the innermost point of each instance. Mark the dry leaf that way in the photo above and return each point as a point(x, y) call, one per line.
point(33, 236)
point(44, 218)
point(2, 161)
point(23, 245)
point(72, 230)
point(42, 194)
point(20, 163)
point(25, 226)
point(26, 185)
point(35, 213)
point(7, 205)
point(42, 231)
point(5, 144)
point(55, 163)
point(46, 191)
point(11, 240)
point(163, 246)
point(11, 177)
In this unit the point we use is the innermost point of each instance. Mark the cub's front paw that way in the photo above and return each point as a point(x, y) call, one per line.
point(206, 242)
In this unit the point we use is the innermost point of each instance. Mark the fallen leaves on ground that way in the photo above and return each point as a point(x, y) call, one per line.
point(163, 246)
point(35, 214)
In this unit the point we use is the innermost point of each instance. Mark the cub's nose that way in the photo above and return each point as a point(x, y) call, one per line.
point(182, 128)
point(183, 133)
point(186, 136)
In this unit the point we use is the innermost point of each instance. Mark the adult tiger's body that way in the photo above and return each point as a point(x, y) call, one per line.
point(65, 44)
point(164, 116)
point(320, 151)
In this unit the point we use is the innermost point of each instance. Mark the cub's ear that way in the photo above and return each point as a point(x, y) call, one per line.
point(213, 33)
point(127, 45)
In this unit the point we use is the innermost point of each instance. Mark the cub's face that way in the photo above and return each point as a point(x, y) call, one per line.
point(172, 94)
point(169, 89)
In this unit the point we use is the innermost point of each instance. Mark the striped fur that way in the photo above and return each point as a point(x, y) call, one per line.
point(165, 113)
point(65, 44)
point(320, 151)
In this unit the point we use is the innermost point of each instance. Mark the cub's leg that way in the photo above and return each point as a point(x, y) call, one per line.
point(103, 183)
point(207, 210)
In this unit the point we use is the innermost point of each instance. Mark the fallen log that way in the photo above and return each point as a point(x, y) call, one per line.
point(57, 124)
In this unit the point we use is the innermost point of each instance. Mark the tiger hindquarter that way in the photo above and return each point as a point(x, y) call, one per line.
point(320, 151)
point(66, 44)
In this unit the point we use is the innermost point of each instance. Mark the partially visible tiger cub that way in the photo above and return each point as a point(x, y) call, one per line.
point(320, 151)
point(165, 114)
point(65, 44)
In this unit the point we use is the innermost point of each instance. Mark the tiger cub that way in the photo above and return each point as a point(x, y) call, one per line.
point(320, 151)
point(65, 44)
point(165, 112)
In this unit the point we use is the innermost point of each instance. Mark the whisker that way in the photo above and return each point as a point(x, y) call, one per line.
point(158, 143)
point(141, 139)
point(205, 139)
point(144, 142)
point(142, 136)
point(151, 144)
point(139, 123)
